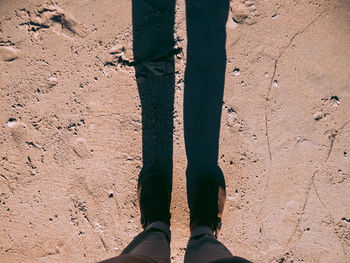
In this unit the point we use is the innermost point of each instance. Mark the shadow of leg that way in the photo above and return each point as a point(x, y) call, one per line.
point(153, 44)
point(204, 88)
point(153, 26)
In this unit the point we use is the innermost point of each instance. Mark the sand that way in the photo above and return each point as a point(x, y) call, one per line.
point(70, 131)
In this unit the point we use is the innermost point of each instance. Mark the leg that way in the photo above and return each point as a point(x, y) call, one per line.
point(150, 246)
point(204, 87)
point(205, 248)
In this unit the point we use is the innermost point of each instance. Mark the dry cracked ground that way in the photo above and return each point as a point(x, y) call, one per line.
point(70, 131)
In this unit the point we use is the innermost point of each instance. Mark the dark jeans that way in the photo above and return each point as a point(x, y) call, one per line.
point(153, 246)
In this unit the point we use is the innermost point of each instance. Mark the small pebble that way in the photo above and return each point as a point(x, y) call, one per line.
point(117, 49)
point(8, 54)
point(81, 149)
point(318, 115)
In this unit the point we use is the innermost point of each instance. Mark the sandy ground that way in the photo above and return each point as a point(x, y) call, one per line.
point(70, 131)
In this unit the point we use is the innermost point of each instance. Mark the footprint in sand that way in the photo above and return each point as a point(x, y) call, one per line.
point(18, 132)
point(52, 17)
point(327, 107)
point(244, 11)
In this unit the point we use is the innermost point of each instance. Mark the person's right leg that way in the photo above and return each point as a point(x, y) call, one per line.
point(203, 247)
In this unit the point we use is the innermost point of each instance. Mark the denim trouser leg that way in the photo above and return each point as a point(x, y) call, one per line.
point(150, 246)
point(203, 247)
